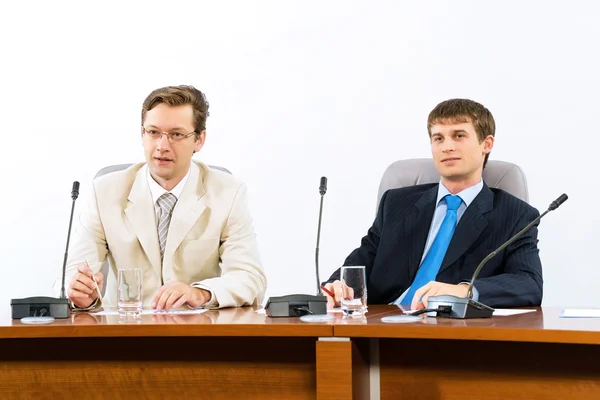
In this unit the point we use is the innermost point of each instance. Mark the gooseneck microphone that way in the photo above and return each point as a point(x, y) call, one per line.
point(45, 309)
point(553, 206)
point(322, 191)
point(458, 307)
point(307, 307)
point(74, 195)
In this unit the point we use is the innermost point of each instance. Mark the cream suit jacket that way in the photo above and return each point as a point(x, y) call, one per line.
point(211, 240)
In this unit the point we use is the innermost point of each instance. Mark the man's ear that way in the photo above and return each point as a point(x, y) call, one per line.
point(488, 144)
point(200, 139)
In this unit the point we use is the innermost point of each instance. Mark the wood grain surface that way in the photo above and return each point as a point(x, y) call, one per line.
point(465, 369)
point(242, 321)
point(158, 368)
point(543, 326)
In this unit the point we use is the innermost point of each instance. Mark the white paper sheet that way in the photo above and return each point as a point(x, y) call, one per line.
point(580, 313)
point(333, 310)
point(498, 312)
point(154, 312)
point(505, 312)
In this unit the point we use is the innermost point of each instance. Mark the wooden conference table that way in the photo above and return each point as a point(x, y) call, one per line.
point(238, 353)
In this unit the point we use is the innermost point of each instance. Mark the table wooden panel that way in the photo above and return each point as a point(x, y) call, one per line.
point(544, 325)
point(343, 370)
point(528, 356)
point(242, 321)
point(158, 368)
point(458, 369)
point(238, 353)
point(221, 354)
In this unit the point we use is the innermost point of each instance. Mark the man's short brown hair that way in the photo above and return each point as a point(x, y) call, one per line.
point(174, 96)
point(456, 111)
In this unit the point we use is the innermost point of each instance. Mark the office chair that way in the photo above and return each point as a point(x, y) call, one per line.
point(120, 167)
point(496, 174)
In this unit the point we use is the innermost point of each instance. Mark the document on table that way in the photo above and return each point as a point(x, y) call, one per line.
point(333, 310)
point(498, 312)
point(505, 312)
point(580, 313)
point(154, 312)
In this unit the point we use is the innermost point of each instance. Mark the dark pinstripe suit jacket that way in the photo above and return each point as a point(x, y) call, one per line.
point(394, 245)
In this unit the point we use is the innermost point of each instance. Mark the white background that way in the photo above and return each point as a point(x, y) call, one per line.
point(298, 89)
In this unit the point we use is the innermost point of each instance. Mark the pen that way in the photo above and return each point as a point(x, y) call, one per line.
point(93, 279)
point(328, 291)
point(97, 288)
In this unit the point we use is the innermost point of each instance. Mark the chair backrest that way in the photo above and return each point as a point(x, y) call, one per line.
point(120, 167)
point(496, 174)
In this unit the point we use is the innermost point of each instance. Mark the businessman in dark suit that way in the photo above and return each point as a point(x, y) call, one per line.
point(427, 240)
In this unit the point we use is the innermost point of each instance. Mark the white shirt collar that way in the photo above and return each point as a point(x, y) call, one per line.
point(158, 190)
point(467, 195)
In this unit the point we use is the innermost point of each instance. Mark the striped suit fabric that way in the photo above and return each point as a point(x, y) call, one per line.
point(394, 245)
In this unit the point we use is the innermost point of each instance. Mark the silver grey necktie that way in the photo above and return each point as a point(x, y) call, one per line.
point(166, 203)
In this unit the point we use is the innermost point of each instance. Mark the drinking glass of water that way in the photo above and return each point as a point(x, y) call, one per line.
point(129, 294)
point(354, 291)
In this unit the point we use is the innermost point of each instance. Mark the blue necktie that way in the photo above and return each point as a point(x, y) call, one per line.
point(433, 260)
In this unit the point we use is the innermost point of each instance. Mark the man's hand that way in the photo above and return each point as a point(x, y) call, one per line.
point(433, 288)
point(334, 287)
point(345, 292)
point(82, 289)
point(175, 294)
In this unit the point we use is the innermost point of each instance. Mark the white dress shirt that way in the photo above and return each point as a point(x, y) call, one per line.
point(156, 190)
point(467, 196)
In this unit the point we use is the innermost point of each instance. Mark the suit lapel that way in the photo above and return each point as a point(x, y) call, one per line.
point(416, 228)
point(470, 226)
point(188, 209)
point(141, 215)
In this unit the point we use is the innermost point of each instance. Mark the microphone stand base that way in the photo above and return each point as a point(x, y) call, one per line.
point(296, 305)
point(457, 307)
point(40, 307)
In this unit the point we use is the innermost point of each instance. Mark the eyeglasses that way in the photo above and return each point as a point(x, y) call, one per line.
point(155, 134)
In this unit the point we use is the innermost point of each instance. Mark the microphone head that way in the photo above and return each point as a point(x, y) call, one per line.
point(556, 203)
point(75, 190)
point(323, 185)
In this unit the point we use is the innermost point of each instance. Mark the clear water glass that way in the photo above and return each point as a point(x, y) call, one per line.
point(354, 291)
point(129, 293)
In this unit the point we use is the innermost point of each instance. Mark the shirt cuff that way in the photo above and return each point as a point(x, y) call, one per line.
point(475, 294)
point(212, 302)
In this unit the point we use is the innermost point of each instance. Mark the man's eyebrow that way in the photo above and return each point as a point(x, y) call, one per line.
point(178, 128)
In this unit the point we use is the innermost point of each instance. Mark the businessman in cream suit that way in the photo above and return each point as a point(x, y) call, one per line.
point(185, 225)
